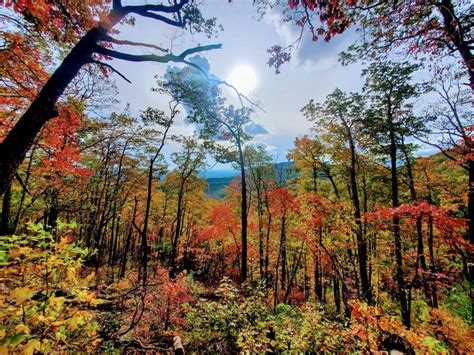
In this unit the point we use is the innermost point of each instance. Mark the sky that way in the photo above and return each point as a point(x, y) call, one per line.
point(313, 72)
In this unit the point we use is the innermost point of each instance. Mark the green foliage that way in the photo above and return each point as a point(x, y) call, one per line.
point(217, 326)
point(460, 304)
point(44, 302)
point(237, 323)
point(435, 346)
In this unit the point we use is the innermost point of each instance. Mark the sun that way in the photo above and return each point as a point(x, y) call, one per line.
point(244, 78)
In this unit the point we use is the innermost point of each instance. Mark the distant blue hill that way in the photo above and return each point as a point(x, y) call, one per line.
point(219, 173)
point(219, 179)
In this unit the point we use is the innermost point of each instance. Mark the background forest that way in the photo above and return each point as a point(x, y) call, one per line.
point(353, 242)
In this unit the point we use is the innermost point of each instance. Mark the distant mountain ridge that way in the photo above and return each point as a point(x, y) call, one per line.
point(219, 179)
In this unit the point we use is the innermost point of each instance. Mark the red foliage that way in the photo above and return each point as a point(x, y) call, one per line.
point(63, 153)
point(282, 201)
point(450, 228)
point(64, 23)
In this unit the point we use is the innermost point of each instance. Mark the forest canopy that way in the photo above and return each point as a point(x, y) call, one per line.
point(343, 220)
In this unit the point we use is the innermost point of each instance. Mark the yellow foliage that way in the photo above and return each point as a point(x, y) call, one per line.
point(20, 294)
point(31, 346)
point(46, 304)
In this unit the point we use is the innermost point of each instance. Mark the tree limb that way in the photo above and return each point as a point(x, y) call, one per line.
point(111, 68)
point(169, 9)
point(162, 18)
point(108, 38)
point(153, 57)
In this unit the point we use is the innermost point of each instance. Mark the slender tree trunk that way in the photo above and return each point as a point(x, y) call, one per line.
point(318, 289)
point(334, 186)
point(361, 240)
point(434, 290)
point(174, 250)
point(293, 273)
point(470, 216)
point(396, 234)
point(337, 294)
point(283, 251)
point(6, 202)
point(128, 242)
point(419, 228)
point(243, 214)
point(260, 235)
point(144, 241)
point(315, 179)
point(24, 191)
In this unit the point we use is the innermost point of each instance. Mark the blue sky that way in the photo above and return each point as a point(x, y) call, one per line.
point(313, 72)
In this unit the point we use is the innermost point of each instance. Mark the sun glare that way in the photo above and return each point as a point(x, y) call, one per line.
point(244, 78)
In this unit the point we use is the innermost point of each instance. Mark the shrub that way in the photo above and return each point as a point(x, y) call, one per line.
point(45, 305)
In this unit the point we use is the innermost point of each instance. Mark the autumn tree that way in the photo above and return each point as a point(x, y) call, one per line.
point(87, 30)
point(188, 162)
point(259, 175)
point(451, 123)
point(222, 126)
point(432, 28)
point(390, 90)
point(342, 112)
point(154, 118)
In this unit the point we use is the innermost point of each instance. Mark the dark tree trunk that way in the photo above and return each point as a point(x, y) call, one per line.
point(126, 248)
point(455, 33)
point(283, 251)
point(243, 213)
point(24, 191)
point(20, 138)
point(470, 214)
point(421, 260)
point(318, 289)
point(267, 245)
point(128, 242)
point(337, 295)
point(361, 240)
point(293, 273)
point(315, 179)
point(396, 234)
point(261, 260)
point(144, 241)
point(179, 213)
point(5, 224)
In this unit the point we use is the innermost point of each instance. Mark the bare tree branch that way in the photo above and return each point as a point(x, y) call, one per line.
point(111, 68)
point(133, 43)
point(153, 57)
point(162, 18)
point(155, 8)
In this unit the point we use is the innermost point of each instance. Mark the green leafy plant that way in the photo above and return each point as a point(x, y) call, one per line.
point(45, 303)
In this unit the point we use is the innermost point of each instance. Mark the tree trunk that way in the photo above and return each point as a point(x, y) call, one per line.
point(260, 235)
point(144, 241)
point(24, 191)
point(243, 213)
point(455, 33)
point(283, 251)
point(174, 250)
point(318, 289)
point(361, 241)
point(337, 295)
point(5, 225)
point(396, 233)
point(470, 212)
point(21, 137)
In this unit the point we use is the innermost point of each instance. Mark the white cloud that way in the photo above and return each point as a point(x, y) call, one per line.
point(309, 54)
